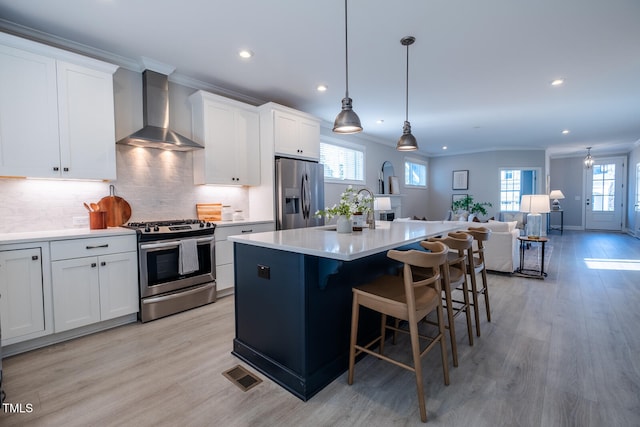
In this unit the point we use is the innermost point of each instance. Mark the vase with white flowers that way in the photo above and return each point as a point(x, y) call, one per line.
point(351, 203)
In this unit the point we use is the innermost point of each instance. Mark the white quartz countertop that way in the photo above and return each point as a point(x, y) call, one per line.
point(327, 243)
point(67, 233)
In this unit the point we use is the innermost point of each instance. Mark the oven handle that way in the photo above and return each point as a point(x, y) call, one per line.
point(173, 243)
point(179, 293)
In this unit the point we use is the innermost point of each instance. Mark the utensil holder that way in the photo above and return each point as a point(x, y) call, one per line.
point(97, 220)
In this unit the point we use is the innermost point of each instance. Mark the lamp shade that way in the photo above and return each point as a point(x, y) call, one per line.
point(382, 204)
point(556, 195)
point(535, 203)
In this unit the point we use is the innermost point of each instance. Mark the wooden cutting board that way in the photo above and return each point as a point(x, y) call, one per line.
point(117, 209)
point(209, 211)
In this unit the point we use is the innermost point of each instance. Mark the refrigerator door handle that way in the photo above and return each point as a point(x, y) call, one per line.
point(307, 197)
point(303, 196)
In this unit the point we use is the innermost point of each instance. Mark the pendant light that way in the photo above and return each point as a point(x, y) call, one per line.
point(347, 121)
point(407, 141)
point(588, 161)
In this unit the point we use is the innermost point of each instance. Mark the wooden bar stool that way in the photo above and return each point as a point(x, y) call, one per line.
point(411, 300)
point(453, 276)
point(476, 264)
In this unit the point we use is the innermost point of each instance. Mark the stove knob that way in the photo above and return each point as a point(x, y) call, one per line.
point(156, 228)
point(201, 224)
point(208, 224)
point(147, 229)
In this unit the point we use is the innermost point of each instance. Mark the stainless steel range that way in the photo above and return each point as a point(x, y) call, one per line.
point(176, 263)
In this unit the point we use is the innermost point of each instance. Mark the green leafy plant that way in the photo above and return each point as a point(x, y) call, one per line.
point(351, 202)
point(468, 204)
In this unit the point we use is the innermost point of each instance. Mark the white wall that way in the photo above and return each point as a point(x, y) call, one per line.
point(484, 177)
point(633, 219)
point(414, 201)
point(157, 184)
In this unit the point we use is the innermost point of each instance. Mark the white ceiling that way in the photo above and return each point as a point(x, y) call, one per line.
point(479, 71)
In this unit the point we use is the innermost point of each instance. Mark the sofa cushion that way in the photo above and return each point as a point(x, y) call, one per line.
point(499, 226)
point(519, 217)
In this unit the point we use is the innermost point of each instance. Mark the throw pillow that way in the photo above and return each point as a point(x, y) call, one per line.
point(497, 226)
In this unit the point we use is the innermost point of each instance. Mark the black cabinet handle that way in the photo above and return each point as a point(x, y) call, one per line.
point(93, 264)
point(106, 245)
point(35, 258)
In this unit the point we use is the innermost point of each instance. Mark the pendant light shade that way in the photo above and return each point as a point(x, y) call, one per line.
point(588, 161)
point(407, 141)
point(347, 121)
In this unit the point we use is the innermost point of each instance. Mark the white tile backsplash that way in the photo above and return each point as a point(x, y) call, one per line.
point(157, 184)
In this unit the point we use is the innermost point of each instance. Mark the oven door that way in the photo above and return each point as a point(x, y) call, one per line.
point(159, 271)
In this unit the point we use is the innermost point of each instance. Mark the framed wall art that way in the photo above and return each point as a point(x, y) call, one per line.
point(461, 180)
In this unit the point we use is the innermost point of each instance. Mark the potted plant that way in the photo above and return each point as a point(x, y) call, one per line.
point(351, 203)
point(468, 204)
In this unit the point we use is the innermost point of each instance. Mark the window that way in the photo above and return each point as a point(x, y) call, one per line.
point(415, 173)
point(342, 163)
point(513, 184)
point(603, 193)
point(509, 190)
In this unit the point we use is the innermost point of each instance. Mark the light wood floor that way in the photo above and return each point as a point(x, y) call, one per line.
point(560, 352)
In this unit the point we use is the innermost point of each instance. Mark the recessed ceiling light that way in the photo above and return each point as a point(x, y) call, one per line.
point(245, 54)
point(557, 82)
point(322, 88)
point(444, 147)
point(379, 121)
point(565, 132)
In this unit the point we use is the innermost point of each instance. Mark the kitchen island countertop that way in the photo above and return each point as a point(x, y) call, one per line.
point(326, 242)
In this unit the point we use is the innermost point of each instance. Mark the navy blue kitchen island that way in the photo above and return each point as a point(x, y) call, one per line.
point(293, 297)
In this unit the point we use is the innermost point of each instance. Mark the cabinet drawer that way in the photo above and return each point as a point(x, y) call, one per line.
point(93, 246)
point(224, 252)
point(223, 232)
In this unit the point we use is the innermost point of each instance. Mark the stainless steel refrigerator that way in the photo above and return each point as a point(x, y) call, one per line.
point(299, 193)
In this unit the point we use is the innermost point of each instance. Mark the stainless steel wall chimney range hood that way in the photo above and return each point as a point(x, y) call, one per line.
point(155, 112)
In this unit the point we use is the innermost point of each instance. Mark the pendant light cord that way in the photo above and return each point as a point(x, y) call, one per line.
point(406, 106)
point(346, 51)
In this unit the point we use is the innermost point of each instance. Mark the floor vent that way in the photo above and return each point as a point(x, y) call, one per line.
point(242, 378)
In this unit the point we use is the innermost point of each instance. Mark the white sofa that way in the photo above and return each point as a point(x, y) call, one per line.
point(501, 250)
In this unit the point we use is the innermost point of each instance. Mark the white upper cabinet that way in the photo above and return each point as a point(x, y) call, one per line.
point(295, 134)
point(56, 113)
point(230, 133)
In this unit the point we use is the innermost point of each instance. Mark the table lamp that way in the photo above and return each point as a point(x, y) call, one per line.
point(556, 195)
point(382, 204)
point(534, 205)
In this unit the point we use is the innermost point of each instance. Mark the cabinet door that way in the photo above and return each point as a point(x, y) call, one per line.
point(220, 144)
point(21, 304)
point(118, 285)
point(310, 138)
point(248, 147)
point(285, 128)
point(29, 140)
point(87, 127)
point(231, 136)
point(76, 293)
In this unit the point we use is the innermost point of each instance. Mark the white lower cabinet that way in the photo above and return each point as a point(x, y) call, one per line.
point(21, 287)
point(225, 280)
point(89, 289)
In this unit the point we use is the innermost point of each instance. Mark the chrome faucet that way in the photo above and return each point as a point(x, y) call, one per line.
point(371, 219)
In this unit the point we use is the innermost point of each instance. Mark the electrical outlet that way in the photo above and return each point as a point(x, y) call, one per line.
point(79, 221)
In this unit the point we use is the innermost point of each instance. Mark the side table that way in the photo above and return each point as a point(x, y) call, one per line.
point(549, 227)
point(524, 242)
